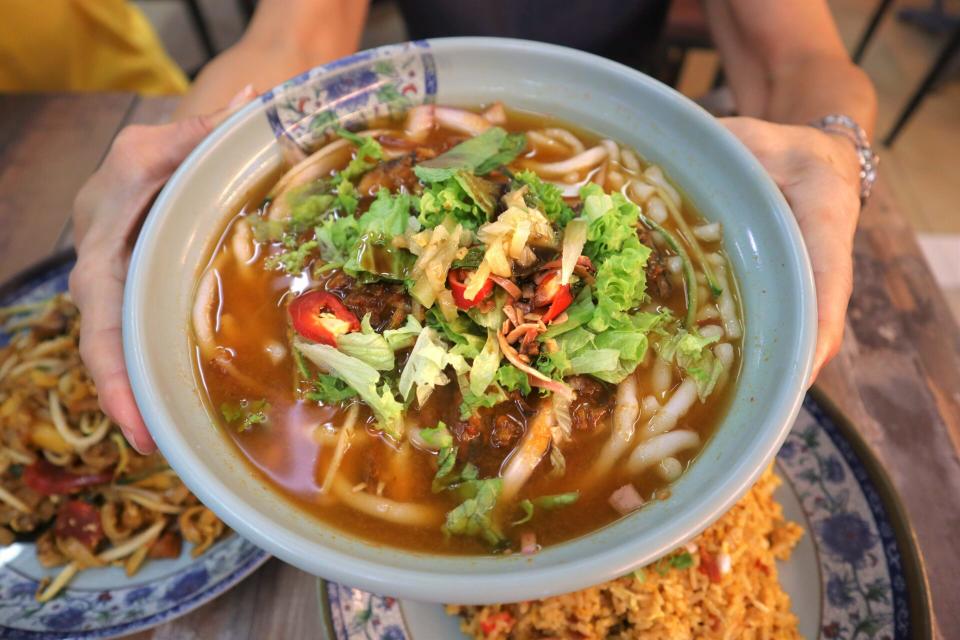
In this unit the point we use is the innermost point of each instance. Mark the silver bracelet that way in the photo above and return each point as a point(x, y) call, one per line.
point(869, 160)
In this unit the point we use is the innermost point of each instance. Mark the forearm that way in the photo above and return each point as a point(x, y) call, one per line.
point(285, 37)
point(815, 87)
point(785, 62)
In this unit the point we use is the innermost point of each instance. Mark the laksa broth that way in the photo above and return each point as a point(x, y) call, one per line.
point(468, 332)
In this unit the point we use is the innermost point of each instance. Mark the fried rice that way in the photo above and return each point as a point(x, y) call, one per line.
point(722, 585)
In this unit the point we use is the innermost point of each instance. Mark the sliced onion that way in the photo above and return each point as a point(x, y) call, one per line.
point(528, 543)
point(557, 387)
point(626, 499)
point(495, 113)
point(574, 237)
point(420, 120)
point(508, 285)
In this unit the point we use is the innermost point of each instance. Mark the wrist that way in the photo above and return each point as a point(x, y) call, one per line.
point(859, 153)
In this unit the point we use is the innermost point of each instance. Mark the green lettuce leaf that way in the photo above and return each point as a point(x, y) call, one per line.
point(546, 197)
point(474, 517)
point(448, 198)
point(363, 379)
point(425, 365)
point(438, 436)
point(620, 286)
point(547, 503)
point(480, 154)
point(613, 222)
point(692, 352)
point(404, 337)
point(367, 345)
point(512, 379)
point(368, 152)
point(330, 390)
point(485, 365)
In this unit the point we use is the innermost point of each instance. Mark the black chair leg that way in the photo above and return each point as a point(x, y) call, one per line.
point(872, 25)
point(951, 48)
point(200, 24)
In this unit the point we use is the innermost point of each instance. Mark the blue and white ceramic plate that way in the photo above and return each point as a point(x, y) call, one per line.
point(856, 573)
point(103, 603)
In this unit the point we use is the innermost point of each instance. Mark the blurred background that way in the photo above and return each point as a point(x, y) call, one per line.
point(908, 47)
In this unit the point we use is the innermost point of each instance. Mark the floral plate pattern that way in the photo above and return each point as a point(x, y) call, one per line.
point(871, 583)
point(102, 603)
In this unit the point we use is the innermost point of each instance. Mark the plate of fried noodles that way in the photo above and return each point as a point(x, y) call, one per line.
point(96, 540)
point(818, 548)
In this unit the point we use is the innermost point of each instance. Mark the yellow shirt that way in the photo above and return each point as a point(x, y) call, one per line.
point(82, 45)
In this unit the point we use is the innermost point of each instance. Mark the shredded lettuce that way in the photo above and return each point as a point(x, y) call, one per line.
point(460, 331)
point(363, 379)
point(480, 154)
point(245, 413)
point(472, 401)
point(446, 459)
point(512, 379)
point(595, 361)
point(609, 355)
point(330, 390)
point(367, 345)
point(294, 261)
point(693, 354)
point(368, 152)
point(403, 337)
point(425, 365)
point(485, 365)
point(547, 503)
point(474, 517)
point(438, 436)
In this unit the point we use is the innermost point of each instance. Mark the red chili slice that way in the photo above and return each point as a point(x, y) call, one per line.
point(321, 317)
point(80, 520)
point(457, 279)
point(709, 567)
point(49, 479)
point(557, 295)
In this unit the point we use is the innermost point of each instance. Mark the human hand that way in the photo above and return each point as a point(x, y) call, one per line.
point(819, 174)
point(107, 214)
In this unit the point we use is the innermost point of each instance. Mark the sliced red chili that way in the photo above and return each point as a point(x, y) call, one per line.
point(80, 520)
point(457, 280)
point(551, 292)
point(49, 479)
point(321, 317)
point(710, 567)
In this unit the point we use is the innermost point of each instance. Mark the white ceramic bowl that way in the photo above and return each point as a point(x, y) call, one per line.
point(718, 174)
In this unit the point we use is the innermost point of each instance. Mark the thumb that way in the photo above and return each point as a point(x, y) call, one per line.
point(177, 139)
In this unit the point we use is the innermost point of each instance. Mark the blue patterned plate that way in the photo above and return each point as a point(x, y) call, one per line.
point(856, 573)
point(102, 603)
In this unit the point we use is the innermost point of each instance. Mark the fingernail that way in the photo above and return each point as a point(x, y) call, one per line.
point(241, 98)
point(130, 438)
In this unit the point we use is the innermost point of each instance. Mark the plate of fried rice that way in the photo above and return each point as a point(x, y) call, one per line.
point(819, 548)
point(96, 540)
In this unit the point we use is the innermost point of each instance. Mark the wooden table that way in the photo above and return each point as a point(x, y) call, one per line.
point(897, 376)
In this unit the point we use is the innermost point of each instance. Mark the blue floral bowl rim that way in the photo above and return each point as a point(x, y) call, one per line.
point(913, 566)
